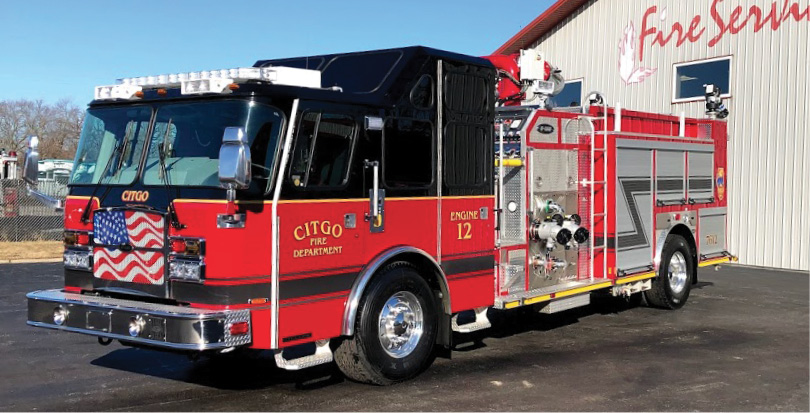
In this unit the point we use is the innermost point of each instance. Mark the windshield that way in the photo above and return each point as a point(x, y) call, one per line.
point(112, 139)
point(188, 137)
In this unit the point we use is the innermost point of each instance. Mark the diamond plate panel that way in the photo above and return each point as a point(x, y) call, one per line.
point(574, 130)
point(237, 317)
point(705, 131)
point(540, 133)
point(514, 222)
point(554, 171)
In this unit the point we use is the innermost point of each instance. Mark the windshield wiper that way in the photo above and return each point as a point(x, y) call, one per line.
point(117, 151)
point(163, 153)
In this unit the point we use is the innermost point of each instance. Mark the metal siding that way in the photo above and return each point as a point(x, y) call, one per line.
point(768, 153)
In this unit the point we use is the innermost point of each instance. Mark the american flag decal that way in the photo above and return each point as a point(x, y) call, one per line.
point(135, 228)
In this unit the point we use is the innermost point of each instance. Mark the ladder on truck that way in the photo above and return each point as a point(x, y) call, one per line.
point(593, 183)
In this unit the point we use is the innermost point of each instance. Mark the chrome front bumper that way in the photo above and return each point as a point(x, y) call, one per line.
point(166, 326)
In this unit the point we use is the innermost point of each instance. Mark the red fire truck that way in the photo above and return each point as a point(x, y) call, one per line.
point(362, 207)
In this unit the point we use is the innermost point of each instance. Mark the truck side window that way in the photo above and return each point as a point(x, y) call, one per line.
point(422, 93)
point(466, 155)
point(407, 153)
point(323, 150)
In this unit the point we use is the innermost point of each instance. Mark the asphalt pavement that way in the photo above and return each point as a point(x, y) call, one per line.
point(740, 344)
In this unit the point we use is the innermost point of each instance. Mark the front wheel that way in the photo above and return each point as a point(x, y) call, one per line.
point(671, 288)
point(395, 330)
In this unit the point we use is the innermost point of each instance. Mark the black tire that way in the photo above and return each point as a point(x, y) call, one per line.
point(362, 357)
point(663, 294)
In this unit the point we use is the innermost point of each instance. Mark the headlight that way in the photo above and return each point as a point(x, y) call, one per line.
point(186, 270)
point(136, 325)
point(78, 259)
point(59, 315)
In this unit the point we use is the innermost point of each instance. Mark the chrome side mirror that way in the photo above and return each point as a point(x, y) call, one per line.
point(234, 161)
point(31, 164)
point(31, 175)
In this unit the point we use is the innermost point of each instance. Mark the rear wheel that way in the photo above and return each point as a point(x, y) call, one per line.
point(395, 330)
point(675, 274)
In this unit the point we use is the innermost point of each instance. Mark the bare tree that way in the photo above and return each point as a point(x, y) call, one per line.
point(57, 125)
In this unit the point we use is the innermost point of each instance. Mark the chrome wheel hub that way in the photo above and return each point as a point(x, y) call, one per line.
point(400, 324)
point(677, 272)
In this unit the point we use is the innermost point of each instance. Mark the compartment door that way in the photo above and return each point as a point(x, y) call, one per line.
point(670, 182)
point(634, 208)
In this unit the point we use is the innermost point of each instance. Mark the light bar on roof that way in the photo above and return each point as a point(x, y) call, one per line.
point(277, 75)
point(210, 81)
point(175, 79)
point(201, 86)
point(116, 92)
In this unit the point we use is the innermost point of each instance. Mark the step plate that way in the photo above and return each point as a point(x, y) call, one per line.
point(566, 304)
point(323, 355)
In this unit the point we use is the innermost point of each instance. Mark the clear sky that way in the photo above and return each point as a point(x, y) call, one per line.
point(62, 49)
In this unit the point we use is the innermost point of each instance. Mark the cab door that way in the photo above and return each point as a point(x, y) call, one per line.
point(320, 224)
point(400, 171)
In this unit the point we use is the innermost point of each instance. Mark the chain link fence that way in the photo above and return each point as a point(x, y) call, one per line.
point(24, 218)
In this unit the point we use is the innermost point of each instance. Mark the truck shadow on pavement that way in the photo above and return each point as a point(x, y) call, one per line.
point(258, 370)
point(226, 372)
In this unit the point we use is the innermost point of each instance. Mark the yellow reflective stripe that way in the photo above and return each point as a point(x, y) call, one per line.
point(632, 278)
point(510, 162)
point(513, 304)
point(714, 261)
point(576, 291)
point(537, 299)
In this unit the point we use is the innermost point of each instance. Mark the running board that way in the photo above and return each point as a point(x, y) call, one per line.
point(481, 322)
point(322, 355)
point(551, 293)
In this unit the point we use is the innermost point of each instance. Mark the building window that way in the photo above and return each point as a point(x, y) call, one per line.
point(690, 78)
point(570, 96)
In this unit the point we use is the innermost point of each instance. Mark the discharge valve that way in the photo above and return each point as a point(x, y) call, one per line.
point(551, 231)
point(572, 224)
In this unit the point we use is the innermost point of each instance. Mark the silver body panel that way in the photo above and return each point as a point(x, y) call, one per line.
point(712, 231)
point(701, 176)
point(566, 304)
point(670, 181)
point(634, 208)
point(684, 174)
point(556, 175)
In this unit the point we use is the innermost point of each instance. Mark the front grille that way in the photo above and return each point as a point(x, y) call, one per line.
point(129, 246)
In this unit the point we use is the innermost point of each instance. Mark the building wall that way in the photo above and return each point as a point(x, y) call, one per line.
point(769, 148)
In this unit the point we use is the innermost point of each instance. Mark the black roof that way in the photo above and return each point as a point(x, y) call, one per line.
point(369, 75)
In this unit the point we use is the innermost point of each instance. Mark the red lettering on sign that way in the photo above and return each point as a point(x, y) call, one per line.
point(646, 31)
point(734, 23)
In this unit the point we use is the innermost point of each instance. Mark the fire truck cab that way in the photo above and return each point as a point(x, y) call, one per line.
point(362, 207)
